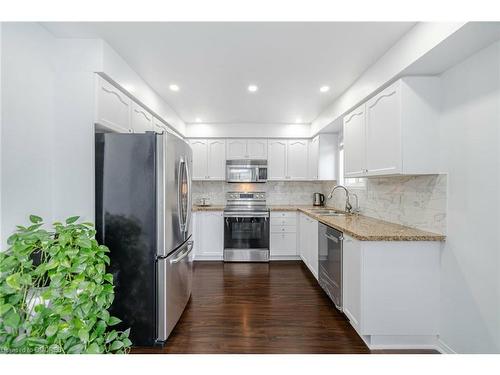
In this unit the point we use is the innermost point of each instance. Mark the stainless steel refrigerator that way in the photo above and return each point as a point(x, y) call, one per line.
point(143, 214)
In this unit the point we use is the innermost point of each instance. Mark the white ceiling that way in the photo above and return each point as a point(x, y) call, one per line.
point(213, 63)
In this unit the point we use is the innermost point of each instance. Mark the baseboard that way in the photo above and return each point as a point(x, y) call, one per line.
point(291, 257)
point(207, 259)
point(397, 342)
point(444, 348)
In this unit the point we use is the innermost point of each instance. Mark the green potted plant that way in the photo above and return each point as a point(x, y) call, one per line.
point(55, 292)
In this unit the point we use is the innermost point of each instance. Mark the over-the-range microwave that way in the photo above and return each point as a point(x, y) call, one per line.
point(246, 170)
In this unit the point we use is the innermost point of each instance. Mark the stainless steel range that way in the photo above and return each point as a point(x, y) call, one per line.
point(246, 227)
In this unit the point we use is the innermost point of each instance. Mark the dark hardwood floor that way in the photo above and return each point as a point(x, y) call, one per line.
point(274, 307)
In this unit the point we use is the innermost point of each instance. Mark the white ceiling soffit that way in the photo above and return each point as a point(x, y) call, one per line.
point(213, 63)
point(457, 43)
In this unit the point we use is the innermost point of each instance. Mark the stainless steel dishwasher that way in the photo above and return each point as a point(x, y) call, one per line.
point(330, 263)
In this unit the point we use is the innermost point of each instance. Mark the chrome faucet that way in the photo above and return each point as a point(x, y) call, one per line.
point(348, 206)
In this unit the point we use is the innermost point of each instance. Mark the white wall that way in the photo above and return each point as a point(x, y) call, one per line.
point(470, 142)
point(248, 130)
point(27, 123)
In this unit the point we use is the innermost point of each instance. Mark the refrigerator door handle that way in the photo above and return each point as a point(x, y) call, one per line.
point(184, 254)
point(182, 223)
point(189, 198)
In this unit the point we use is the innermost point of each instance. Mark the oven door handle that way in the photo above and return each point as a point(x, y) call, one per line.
point(246, 214)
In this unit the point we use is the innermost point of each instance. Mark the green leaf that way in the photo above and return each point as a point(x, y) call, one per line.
point(19, 341)
point(108, 277)
point(116, 345)
point(12, 319)
point(84, 242)
point(72, 219)
point(83, 334)
point(127, 343)
point(4, 308)
point(111, 336)
point(113, 321)
point(76, 349)
point(51, 330)
point(14, 281)
point(93, 349)
point(35, 219)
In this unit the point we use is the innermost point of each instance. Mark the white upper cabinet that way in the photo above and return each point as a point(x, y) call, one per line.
point(354, 143)
point(323, 150)
point(277, 158)
point(112, 107)
point(216, 169)
point(246, 149)
point(209, 159)
point(287, 159)
point(141, 119)
point(200, 161)
point(257, 149)
point(383, 132)
point(313, 158)
point(236, 149)
point(297, 162)
point(394, 132)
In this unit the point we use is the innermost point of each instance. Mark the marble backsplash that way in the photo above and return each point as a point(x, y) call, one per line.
point(414, 201)
point(278, 192)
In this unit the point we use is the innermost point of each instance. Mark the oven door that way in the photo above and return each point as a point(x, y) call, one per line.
point(246, 230)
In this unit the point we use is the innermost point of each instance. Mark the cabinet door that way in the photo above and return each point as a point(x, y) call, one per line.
point(237, 149)
point(257, 149)
point(313, 158)
point(303, 240)
point(210, 228)
point(112, 107)
point(351, 280)
point(297, 159)
point(141, 120)
point(354, 143)
point(313, 246)
point(383, 132)
point(283, 244)
point(216, 169)
point(200, 158)
point(276, 162)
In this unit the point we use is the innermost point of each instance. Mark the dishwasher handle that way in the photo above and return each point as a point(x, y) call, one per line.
point(334, 239)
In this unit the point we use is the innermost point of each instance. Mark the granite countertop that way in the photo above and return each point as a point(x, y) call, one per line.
point(360, 227)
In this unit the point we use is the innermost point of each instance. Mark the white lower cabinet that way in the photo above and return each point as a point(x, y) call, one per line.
point(351, 263)
point(283, 237)
point(308, 242)
point(208, 232)
point(391, 292)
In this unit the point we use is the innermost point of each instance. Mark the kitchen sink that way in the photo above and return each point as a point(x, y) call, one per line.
point(325, 212)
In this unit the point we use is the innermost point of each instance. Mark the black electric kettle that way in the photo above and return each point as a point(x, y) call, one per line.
point(318, 199)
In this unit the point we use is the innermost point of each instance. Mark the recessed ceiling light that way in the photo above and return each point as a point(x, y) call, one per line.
point(252, 88)
point(197, 119)
point(173, 87)
point(324, 88)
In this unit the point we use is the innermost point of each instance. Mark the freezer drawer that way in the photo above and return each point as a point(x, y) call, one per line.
point(175, 275)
